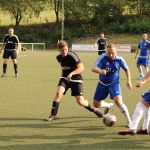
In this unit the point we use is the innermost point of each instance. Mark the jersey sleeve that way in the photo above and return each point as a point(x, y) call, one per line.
point(75, 57)
point(139, 45)
point(16, 40)
point(123, 64)
point(4, 39)
point(99, 62)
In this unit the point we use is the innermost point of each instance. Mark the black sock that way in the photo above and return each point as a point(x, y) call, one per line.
point(54, 109)
point(4, 68)
point(95, 111)
point(16, 68)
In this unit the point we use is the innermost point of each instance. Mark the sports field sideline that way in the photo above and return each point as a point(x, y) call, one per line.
point(26, 100)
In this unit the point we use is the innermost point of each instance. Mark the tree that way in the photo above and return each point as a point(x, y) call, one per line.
point(18, 9)
point(140, 7)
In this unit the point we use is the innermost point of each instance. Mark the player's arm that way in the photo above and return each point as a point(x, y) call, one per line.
point(128, 75)
point(99, 71)
point(137, 52)
point(78, 70)
point(18, 47)
point(2, 47)
point(142, 82)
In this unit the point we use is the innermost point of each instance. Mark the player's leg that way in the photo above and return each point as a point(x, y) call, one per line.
point(123, 108)
point(115, 94)
point(82, 102)
point(14, 60)
point(77, 91)
point(4, 67)
point(6, 55)
point(145, 101)
point(139, 62)
point(63, 86)
point(55, 104)
point(137, 115)
point(101, 93)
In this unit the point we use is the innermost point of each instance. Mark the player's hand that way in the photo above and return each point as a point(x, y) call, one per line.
point(140, 83)
point(135, 57)
point(69, 77)
point(103, 71)
point(129, 85)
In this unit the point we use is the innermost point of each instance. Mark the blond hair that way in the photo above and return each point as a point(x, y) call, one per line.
point(61, 44)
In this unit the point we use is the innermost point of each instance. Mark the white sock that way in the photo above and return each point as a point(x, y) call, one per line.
point(137, 115)
point(105, 104)
point(146, 116)
point(125, 111)
point(147, 69)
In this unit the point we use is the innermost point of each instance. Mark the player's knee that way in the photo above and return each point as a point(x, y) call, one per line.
point(80, 102)
point(58, 94)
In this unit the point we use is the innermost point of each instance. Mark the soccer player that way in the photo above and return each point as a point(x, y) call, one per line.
point(142, 109)
point(143, 55)
point(108, 67)
point(11, 48)
point(72, 67)
point(102, 44)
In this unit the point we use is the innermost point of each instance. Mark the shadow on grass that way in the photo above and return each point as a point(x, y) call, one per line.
point(83, 137)
point(74, 142)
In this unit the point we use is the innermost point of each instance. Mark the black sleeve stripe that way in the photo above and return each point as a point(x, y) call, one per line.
point(74, 56)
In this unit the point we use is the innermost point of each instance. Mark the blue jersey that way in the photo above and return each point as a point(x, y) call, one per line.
point(143, 46)
point(112, 67)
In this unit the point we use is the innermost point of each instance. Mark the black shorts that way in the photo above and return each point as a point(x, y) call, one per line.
point(7, 54)
point(100, 52)
point(76, 87)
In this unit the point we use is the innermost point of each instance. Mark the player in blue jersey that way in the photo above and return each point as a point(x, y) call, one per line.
point(142, 109)
point(108, 67)
point(142, 55)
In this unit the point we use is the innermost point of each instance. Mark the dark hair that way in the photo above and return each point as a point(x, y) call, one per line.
point(10, 27)
point(61, 44)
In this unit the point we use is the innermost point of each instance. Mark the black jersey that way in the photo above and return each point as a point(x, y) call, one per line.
point(69, 64)
point(10, 42)
point(101, 43)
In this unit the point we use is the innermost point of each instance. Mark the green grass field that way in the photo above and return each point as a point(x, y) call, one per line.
point(26, 100)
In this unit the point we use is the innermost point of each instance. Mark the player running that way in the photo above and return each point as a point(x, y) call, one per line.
point(142, 109)
point(143, 55)
point(108, 67)
point(11, 48)
point(72, 67)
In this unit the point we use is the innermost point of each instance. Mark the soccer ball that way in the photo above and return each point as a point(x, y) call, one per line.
point(109, 120)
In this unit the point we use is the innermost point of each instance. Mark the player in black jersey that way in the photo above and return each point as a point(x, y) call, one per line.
point(11, 48)
point(72, 67)
point(102, 44)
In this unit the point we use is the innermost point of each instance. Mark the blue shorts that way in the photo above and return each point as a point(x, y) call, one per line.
point(102, 91)
point(146, 97)
point(142, 61)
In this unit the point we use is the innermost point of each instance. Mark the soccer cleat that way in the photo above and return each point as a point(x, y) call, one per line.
point(16, 75)
point(141, 76)
point(106, 111)
point(140, 131)
point(50, 118)
point(3, 75)
point(127, 132)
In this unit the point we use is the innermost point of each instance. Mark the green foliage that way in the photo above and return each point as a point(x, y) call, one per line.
point(18, 9)
point(135, 26)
